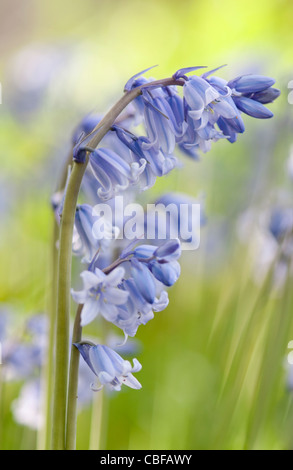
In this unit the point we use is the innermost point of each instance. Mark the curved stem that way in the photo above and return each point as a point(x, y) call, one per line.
point(63, 306)
point(64, 268)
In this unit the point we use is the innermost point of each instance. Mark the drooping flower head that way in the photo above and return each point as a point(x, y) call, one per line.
point(110, 368)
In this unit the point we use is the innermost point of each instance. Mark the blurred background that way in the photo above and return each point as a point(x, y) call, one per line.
point(216, 363)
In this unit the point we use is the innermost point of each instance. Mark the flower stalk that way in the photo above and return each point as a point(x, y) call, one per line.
point(64, 269)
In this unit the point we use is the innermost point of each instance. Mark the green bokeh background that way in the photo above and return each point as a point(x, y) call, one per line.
point(214, 362)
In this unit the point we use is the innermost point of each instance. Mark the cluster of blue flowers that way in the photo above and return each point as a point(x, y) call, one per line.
point(208, 109)
point(183, 114)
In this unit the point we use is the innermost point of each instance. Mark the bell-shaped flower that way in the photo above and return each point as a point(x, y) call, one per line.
point(167, 273)
point(164, 119)
point(251, 83)
point(168, 251)
point(112, 172)
point(100, 294)
point(144, 280)
point(252, 107)
point(157, 162)
point(85, 242)
point(137, 311)
point(109, 367)
point(198, 93)
point(266, 96)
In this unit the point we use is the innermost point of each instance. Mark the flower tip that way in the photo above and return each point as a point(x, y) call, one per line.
point(130, 82)
point(181, 72)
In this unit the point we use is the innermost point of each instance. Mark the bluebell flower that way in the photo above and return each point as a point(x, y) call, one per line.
point(134, 81)
point(22, 356)
point(251, 92)
point(265, 96)
point(161, 263)
point(198, 94)
point(281, 222)
point(156, 162)
point(166, 273)
point(143, 280)
point(252, 107)
point(164, 118)
point(110, 368)
point(86, 242)
point(113, 173)
point(168, 251)
point(137, 311)
point(251, 83)
point(100, 294)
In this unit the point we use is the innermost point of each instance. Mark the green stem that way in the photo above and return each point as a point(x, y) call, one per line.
point(73, 383)
point(63, 306)
point(44, 436)
point(96, 421)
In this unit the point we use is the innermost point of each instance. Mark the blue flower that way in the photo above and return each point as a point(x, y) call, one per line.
point(198, 93)
point(252, 107)
point(85, 241)
point(251, 92)
point(110, 368)
point(100, 294)
point(265, 96)
point(167, 273)
point(143, 280)
point(164, 119)
point(137, 311)
point(251, 83)
point(166, 252)
point(155, 161)
point(281, 222)
point(160, 262)
point(113, 173)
